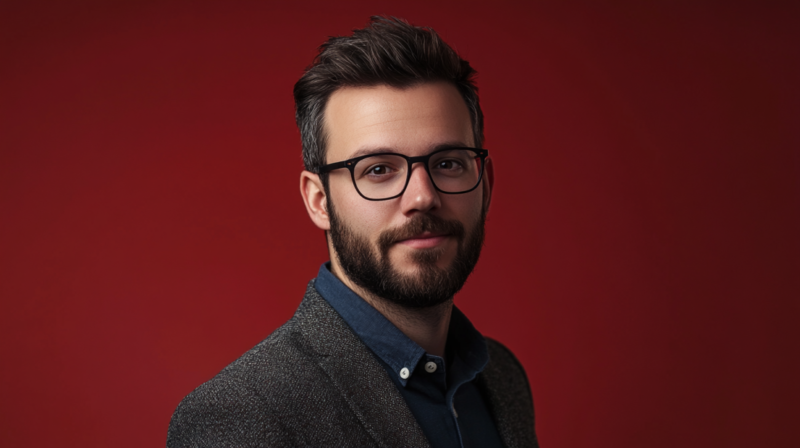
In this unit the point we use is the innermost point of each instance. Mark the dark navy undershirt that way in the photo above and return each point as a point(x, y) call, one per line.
point(445, 401)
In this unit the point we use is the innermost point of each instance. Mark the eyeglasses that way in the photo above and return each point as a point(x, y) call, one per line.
point(378, 177)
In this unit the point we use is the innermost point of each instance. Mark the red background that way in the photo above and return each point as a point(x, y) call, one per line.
point(642, 257)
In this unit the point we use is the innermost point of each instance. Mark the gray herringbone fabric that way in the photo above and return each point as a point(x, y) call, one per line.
point(314, 383)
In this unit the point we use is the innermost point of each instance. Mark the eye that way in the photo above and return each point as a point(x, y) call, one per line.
point(378, 170)
point(448, 165)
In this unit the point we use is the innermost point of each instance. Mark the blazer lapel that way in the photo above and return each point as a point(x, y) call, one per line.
point(362, 381)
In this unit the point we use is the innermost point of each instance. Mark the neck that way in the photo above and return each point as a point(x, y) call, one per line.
point(427, 327)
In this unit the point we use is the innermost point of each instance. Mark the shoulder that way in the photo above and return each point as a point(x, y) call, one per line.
point(503, 364)
point(245, 403)
point(501, 357)
point(285, 391)
point(508, 394)
point(232, 408)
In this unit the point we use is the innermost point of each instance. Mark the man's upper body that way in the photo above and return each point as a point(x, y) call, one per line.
point(315, 383)
point(377, 354)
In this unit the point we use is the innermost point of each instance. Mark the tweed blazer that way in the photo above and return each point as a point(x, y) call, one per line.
point(314, 383)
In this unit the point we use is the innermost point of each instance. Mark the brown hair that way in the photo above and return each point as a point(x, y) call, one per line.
point(387, 51)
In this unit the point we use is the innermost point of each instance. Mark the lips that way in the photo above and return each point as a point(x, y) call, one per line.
point(421, 232)
point(424, 236)
point(424, 240)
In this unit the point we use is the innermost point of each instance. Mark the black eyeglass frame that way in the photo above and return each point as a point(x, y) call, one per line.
point(350, 164)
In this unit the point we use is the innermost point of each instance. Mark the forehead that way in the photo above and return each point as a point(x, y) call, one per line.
point(410, 121)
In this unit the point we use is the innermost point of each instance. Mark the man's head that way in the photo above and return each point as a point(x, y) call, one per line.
point(394, 88)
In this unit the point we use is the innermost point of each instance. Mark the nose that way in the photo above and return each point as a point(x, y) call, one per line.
point(420, 194)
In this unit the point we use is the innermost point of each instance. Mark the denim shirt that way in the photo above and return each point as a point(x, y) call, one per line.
point(442, 396)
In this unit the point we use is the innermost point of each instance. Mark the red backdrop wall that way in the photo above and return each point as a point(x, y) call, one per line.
point(642, 256)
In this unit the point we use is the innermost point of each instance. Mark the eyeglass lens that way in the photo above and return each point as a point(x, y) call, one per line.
point(384, 176)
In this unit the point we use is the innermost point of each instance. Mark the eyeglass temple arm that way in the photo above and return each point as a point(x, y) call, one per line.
point(334, 166)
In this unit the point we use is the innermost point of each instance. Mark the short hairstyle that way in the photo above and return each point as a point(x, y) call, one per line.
point(388, 51)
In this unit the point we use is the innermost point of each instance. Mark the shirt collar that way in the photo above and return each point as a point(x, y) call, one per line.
point(375, 331)
point(469, 345)
point(389, 343)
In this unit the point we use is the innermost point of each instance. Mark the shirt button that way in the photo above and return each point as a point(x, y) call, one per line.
point(404, 373)
point(430, 366)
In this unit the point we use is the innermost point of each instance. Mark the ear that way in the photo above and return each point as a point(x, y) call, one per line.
point(488, 183)
point(315, 199)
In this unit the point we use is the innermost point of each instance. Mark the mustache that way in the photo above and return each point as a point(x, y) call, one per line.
point(419, 224)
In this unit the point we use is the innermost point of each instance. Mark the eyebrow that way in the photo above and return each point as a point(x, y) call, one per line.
point(384, 149)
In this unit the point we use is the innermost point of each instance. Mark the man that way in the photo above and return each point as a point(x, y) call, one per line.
point(376, 354)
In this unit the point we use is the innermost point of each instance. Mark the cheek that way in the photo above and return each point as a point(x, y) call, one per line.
point(468, 207)
point(366, 218)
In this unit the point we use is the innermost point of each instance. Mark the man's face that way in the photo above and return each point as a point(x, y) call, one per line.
point(416, 250)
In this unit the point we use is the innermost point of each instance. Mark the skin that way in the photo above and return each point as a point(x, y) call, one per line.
point(413, 121)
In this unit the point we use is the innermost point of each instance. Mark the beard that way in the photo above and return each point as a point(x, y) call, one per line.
point(371, 269)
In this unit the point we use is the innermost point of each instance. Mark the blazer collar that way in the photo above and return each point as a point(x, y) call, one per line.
point(361, 380)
